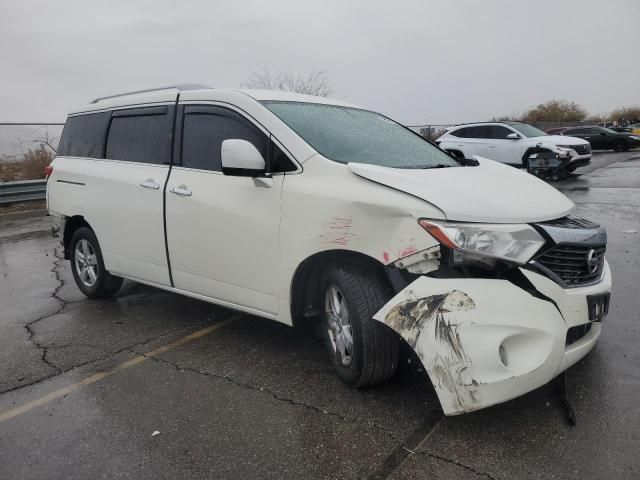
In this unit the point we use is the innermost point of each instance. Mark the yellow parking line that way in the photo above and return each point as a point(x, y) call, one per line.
point(14, 412)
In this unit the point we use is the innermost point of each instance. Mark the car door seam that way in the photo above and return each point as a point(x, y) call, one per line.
point(164, 190)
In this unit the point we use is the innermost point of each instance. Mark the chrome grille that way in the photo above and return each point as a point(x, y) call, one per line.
point(571, 222)
point(573, 265)
point(580, 149)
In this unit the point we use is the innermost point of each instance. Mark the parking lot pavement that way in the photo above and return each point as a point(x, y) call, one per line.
point(603, 158)
point(85, 384)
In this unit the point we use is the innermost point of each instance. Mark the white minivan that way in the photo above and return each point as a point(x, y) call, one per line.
point(305, 209)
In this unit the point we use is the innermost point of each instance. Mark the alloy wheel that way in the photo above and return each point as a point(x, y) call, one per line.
point(86, 263)
point(339, 325)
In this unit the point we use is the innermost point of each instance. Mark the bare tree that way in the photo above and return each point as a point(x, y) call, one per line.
point(48, 141)
point(44, 140)
point(34, 162)
point(315, 83)
point(630, 114)
point(555, 111)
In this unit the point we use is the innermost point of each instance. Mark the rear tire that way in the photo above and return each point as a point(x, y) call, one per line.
point(351, 295)
point(88, 268)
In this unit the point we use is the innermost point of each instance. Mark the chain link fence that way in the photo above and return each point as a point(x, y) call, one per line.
point(431, 132)
point(26, 149)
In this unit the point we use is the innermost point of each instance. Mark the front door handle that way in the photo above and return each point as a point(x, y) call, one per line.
point(181, 190)
point(149, 183)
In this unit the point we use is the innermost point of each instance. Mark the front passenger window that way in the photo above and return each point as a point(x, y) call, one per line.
point(499, 133)
point(204, 130)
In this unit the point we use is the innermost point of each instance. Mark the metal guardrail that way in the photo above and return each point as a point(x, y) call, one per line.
point(22, 191)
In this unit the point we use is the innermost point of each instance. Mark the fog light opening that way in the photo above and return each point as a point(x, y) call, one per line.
point(503, 356)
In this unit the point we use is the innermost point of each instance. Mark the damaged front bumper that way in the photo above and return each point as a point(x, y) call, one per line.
point(485, 341)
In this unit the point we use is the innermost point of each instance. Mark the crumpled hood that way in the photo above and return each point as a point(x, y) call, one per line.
point(491, 192)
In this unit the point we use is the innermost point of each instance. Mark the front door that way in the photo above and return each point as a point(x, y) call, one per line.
point(596, 137)
point(222, 231)
point(503, 149)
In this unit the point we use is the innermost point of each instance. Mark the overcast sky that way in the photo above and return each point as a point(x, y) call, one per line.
point(417, 61)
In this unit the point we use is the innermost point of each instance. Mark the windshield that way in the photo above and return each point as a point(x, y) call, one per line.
point(353, 135)
point(526, 129)
point(608, 130)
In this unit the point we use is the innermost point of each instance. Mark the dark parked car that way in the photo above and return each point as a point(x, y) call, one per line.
point(604, 138)
point(621, 129)
point(615, 127)
point(556, 131)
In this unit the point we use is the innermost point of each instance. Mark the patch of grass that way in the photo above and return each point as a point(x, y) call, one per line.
point(30, 168)
point(23, 207)
point(10, 171)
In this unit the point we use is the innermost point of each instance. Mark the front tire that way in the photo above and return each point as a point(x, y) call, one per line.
point(363, 351)
point(88, 268)
point(620, 147)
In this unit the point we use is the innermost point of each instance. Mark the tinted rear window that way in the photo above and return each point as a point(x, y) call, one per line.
point(84, 135)
point(473, 132)
point(141, 135)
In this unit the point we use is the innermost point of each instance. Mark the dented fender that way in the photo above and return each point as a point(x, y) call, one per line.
point(481, 341)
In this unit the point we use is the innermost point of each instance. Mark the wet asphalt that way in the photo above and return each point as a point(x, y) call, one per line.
point(255, 399)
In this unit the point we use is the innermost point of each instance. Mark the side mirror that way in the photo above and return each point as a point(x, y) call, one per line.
point(242, 159)
point(513, 136)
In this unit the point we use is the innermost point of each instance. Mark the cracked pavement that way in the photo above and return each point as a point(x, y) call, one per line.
point(258, 399)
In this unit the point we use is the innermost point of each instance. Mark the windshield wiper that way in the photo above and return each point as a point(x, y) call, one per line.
point(421, 167)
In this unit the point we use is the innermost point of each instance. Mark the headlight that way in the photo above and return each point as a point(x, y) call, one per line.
point(563, 152)
point(634, 137)
point(482, 242)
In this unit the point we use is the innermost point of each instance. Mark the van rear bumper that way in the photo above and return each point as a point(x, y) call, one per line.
point(486, 341)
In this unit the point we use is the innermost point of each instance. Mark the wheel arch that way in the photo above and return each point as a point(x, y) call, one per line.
point(72, 224)
point(305, 303)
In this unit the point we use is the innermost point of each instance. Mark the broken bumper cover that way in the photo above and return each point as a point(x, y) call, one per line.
point(579, 161)
point(485, 341)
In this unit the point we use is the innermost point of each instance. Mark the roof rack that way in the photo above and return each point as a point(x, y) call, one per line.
point(181, 87)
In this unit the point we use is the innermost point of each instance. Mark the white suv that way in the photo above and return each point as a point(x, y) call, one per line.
point(304, 209)
point(513, 143)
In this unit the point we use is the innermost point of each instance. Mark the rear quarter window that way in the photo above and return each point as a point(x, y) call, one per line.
point(461, 132)
point(84, 135)
point(473, 132)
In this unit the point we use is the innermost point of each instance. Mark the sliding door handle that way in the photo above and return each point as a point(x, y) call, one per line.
point(149, 183)
point(181, 190)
